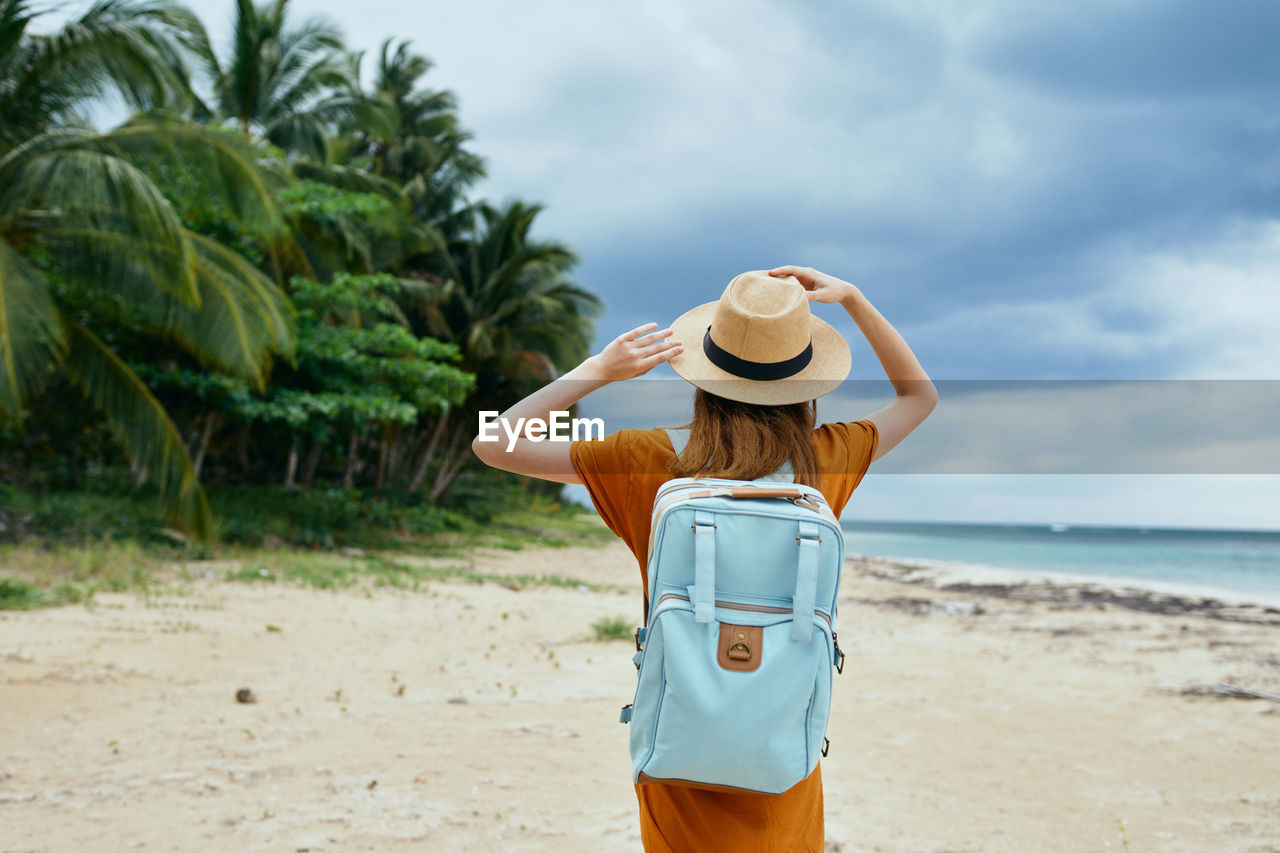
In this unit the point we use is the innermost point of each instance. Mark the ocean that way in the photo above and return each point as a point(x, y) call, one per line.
point(1244, 563)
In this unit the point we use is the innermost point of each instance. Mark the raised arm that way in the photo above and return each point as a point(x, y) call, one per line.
point(631, 354)
point(917, 395)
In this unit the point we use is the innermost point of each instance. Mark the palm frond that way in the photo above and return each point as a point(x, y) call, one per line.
point(242, 319)
point(96, 200)
point(32, 337)
point(299, 132)
point(346, 178)
point(239, 87)
point(223, 161)
point(142, 426)
point(125, 44)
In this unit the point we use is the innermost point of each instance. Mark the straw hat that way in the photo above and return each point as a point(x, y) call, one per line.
point(760, 344)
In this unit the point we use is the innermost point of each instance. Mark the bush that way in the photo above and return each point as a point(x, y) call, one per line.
point(612, 628)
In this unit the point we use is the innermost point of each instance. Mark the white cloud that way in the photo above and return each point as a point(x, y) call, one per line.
point(1219, 302)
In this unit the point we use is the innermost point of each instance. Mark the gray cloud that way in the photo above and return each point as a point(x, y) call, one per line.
point(1035, 427)
point(1134, 51)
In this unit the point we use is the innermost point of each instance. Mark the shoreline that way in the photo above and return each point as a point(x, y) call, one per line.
point(1067, 588)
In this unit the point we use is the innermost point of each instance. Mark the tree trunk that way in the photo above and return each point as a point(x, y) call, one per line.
point(137, 472)
point(73, 461)
point(291, 467)
point(449, 465)
point(403, 449)
point(353, 446)
point(206, 433)
point(380, 477)
point(425, 460)
point(312, 463)
point(242, 450)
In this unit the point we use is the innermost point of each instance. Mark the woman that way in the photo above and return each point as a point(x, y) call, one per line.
point(759, 359)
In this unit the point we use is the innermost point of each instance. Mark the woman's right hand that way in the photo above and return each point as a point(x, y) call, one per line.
point(821, 287)
point(635, 353)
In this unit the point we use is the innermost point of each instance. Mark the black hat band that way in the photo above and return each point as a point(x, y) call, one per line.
point(763, 370)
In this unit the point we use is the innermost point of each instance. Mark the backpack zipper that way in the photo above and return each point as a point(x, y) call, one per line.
point(764, 608)
point(734, 605)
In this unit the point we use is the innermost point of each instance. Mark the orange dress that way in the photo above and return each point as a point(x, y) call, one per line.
point(622, 473)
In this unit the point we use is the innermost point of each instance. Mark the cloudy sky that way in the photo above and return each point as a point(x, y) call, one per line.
point(1085, 190)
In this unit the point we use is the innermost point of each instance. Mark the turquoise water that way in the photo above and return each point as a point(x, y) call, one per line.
point(1243, 562)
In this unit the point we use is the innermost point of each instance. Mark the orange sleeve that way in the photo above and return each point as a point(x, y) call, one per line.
point(604, 465)
point(846, 450)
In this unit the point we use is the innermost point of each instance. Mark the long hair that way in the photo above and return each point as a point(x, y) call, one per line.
point(742, 441)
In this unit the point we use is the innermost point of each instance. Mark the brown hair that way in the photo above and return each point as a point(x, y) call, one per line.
point(742, 441)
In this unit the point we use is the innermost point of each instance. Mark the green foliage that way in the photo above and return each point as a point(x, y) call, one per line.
point(330, 518)
point(136, 48)
point(424, 148)
point(330, 571)
point(354, 369)
point(610, 628)
point(330, 204)
point(77, 543)
point(88, 238)
point(347, 221)
point(509, 303)
point(292, 84)
point(143, 271)
point(19, 594)
point(77, 519)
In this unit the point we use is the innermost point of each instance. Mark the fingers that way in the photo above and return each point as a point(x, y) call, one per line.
point(631, 335)
point(667, 352)
point(652, 337)
point(806, 275)
point(659, 347)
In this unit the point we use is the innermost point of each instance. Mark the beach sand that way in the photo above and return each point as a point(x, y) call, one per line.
point(1001, 716)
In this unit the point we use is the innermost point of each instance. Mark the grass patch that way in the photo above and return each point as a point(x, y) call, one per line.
point(46, 576)
point(612, 628)
point(19, 594)
point(329, 571)
point(72, 545)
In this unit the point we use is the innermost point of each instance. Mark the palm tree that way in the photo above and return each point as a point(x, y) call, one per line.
point(509, 306)
point(422, 149)
point(84, 232)
point(291, 85)
point(139, 48)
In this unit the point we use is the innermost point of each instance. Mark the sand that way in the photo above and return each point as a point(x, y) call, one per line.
point(1009, 716)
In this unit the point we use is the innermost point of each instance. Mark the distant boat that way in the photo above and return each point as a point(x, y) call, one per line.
point(1058, 528)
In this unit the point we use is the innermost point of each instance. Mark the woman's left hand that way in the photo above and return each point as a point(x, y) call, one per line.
point(820, 286)
point(636, 352)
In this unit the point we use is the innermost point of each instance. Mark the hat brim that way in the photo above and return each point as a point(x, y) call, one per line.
point(826, 370)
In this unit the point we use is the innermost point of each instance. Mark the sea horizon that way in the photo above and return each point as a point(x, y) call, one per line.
point(1235, 564)
point(1064, 524)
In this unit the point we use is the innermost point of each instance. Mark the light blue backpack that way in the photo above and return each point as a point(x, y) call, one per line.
point(735, 660)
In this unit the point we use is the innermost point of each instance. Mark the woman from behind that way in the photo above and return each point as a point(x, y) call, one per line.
point(758, 359)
